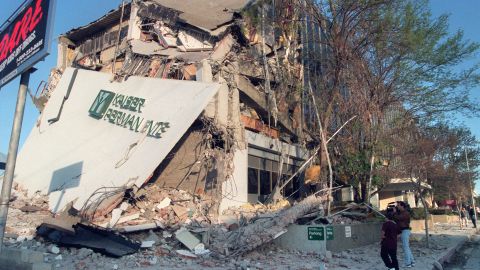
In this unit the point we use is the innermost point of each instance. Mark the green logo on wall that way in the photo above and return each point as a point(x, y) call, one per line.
point(101, 103)
point(125, 111)
point(316, 233)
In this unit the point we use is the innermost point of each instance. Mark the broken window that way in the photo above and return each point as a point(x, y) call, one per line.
point(263, 176)
point(252, 181)
point(265, 182)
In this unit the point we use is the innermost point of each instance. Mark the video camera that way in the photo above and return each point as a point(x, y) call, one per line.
point(393, 206)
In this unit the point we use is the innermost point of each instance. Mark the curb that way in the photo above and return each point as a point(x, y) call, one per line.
point(447, 255)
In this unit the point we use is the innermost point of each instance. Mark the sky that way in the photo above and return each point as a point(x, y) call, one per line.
point(69, 14)
point(73, 13)
point(463, 15)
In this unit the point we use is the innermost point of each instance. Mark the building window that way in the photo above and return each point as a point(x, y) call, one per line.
point(265, 182)
point(252, 181)
point(263, 176)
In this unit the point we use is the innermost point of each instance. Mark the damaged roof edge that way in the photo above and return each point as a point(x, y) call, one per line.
point(206, 15)
point(104, 22)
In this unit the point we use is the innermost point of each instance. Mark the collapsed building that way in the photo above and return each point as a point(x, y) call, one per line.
point(163, 113)
point(232, 141)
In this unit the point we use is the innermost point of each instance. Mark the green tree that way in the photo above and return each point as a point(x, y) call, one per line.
point(384, 56)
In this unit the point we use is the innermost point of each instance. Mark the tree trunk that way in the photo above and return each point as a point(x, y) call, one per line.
point(425, 209)
point(369, 185)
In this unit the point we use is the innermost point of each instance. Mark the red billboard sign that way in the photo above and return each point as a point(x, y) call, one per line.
point(25, 39)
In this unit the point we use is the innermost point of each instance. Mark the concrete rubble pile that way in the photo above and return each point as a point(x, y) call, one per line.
point(160, 207)
point(25, 214)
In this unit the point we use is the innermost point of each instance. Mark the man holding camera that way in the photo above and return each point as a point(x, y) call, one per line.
point(402, 218)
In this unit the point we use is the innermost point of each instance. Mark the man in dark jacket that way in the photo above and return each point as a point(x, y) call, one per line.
point(402, 218)
point(388, 248)
point(471, 212)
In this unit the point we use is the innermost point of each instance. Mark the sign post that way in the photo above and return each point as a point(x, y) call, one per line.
point(12, 154)
point(25, 40)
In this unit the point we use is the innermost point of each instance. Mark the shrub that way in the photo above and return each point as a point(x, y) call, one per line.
point(417, 213)
point(441, 211)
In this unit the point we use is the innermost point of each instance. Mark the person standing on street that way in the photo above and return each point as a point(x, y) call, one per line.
point(402, 218)
point(471, 212)
point(388, 247)
point(463, 218)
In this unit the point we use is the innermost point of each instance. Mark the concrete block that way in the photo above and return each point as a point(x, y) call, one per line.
point(23, 260)
point(360, 235)
point(187, 238)
point(25, 256)
point(296, 238)
point(42, 266)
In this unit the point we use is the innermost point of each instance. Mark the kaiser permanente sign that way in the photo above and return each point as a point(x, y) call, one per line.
point(25, 39)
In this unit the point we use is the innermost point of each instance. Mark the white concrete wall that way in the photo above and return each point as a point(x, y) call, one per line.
point(235, 190)
point(71, 158)
point(411, 199)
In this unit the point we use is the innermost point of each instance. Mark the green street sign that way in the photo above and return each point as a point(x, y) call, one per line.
point(316, 233)
point(329, 230)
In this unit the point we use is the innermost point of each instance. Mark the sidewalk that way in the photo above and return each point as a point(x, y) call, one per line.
point(444, 240)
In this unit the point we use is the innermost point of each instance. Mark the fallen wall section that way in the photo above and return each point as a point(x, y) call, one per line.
point(96, 138)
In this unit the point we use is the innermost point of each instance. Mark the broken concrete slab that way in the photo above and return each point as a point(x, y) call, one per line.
point(187, 238)
point(186, 253)
point(147, 244)
point(205, 14)
point(53, 249)
point(140, 227)
point(124, 206)
point(152, 236)
point(128, 218)
point(201, 250)
point(145, 48)
point(116, 214)
point(100, 240)
point(222, 48)
point(164, 203)
point(63, 222)
point(30, 208)
point(192, 43)
point(180, 211)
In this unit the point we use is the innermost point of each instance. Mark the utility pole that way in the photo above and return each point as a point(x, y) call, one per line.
point(12, 154)
point(471, 186)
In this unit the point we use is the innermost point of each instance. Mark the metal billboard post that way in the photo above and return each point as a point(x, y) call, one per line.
point(25, 39)
point(12, 154)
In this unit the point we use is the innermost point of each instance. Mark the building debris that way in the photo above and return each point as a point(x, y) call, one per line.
point(164, 203)
point(186, 253)
point(187, 239)
point(30, 208)
point(253, 235)
point(147, 244)
point(99, 240)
